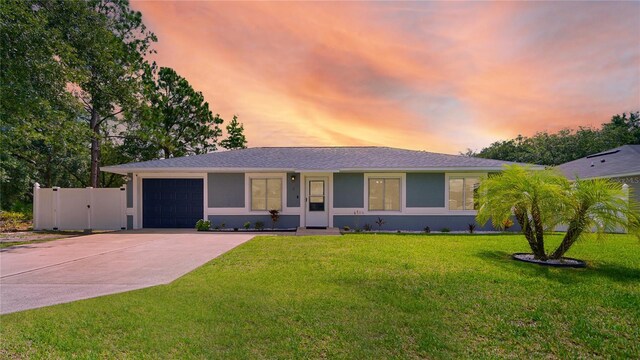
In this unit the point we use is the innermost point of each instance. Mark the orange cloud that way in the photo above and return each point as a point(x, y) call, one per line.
point(434, 76)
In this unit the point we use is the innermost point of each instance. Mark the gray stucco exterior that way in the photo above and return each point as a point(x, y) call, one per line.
point(348, 190)
point(225, 190)
point(293, 190)
point(425, 189)
point(413, 222)
point(130, 190)
point(237, 221)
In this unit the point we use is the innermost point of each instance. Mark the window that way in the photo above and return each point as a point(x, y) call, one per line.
point(384, 194)
point(266, 194)
point(316, 195)
point(462, 193)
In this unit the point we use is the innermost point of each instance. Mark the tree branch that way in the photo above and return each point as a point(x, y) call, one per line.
point(109, 116)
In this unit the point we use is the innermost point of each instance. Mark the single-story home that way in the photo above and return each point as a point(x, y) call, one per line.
point(310, 186)
point(621, 164)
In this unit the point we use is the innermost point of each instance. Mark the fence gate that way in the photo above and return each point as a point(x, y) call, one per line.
point(79, 209)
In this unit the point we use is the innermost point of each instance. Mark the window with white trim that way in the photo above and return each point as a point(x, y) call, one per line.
point(266, 194)
point(384, 194)
point(463, 193)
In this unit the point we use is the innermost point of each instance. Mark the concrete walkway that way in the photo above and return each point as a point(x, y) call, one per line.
point(60, 271)
point(307, 232)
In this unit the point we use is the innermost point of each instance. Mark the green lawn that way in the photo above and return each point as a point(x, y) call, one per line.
point(359, 296)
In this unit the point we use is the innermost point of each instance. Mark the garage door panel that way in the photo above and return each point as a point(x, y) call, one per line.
point(172, 203)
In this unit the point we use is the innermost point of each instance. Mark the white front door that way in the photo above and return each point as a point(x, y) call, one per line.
point(317, 212)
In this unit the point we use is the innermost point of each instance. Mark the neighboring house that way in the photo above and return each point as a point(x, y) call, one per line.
point(621, 164)
point(311, 186)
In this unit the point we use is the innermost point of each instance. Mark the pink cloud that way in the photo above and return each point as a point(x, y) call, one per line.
point(434, 76)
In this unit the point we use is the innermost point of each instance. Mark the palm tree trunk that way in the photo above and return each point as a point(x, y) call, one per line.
point(573, 232)
point(529, 234)
point(539, 231)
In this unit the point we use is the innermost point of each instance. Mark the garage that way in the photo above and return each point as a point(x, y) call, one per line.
point(172, 203)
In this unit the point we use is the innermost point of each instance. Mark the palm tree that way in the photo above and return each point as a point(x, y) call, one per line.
point(542, 199)
point(536, 198)
point(599, 204)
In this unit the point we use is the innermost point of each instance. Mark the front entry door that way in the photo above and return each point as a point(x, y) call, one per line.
point(317, 211)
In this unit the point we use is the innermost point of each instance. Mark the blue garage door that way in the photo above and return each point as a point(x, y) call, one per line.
point(171, 203)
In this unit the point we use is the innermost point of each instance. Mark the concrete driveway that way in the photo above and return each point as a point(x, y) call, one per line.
point(60, 271)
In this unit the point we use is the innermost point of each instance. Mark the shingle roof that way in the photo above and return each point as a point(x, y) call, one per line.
point(623, 160)
point(314, 158)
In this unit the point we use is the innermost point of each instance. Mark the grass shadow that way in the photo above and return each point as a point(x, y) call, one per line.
point(614, 272)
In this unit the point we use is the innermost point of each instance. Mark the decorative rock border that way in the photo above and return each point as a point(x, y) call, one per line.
point(564, 262)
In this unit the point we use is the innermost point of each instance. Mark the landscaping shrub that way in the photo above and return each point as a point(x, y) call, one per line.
point(445, 230)
point(11, 220)
point(367, 227)
point(259, 225)
point(203, 225)
point(247, 225)
point(427, 230)
point(507, 224)
point(275, 216)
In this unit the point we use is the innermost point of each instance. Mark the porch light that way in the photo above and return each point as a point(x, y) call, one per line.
point(293, 178)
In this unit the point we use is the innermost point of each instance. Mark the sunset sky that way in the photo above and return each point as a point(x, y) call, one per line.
point(434, 76)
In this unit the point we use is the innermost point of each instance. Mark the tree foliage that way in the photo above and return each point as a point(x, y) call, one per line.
point(71, 71)
point(175, 120)
point(235, 136)
point(40, 135)
point(566, 145)
point(542, 199)
point(109, 41)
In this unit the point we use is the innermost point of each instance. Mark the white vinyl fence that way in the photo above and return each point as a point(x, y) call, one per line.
point(79, 209)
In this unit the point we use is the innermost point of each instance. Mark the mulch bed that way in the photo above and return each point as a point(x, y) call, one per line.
point(563, 262)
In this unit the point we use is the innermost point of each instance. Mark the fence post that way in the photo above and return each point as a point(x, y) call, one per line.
point(55, 200)
point(36, 202)
point(123, 207)
point(89, 204)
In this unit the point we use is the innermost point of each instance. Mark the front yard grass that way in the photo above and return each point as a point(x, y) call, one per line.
point(377, 296)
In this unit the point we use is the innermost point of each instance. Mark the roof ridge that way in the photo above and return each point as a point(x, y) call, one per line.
point(353, 147)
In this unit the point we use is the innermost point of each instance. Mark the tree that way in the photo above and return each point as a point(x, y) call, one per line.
point(542, 199)
point(109, 42)
point(39, 127)
point(235, 136)
point(176, 121)
point(624, 129)
point(534, 197)
point(565, 145)
point(599, 204)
